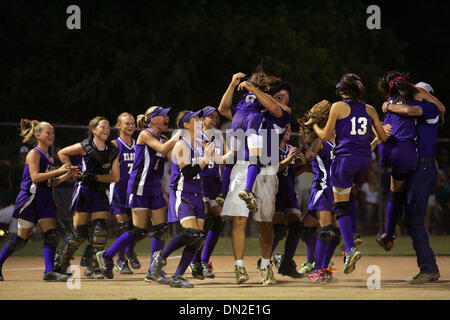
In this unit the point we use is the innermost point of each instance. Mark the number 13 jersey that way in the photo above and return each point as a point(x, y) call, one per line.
point(354, 133)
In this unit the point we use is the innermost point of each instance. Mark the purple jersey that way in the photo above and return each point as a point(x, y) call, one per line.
point(177, 180)
point(212, 169)
point(247, 105)
point(46, 164)
point(118, 191)
point(354, 133)
point(147, 170)
point(321, 167)
point(427, 130)
point(403, 128)
point(286, 178)
point(277, 126)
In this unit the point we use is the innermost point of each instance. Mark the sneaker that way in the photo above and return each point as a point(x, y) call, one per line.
point(421, 278)
point(105, 265)
point(289, 268)
point(88, 272)
point(161, 279)
point(350, 260)
point(133, 260)
point(268, 278)
point(208, 270)
point(158, 265)
point(97, 274)
point(180, 282)
point(385, 242)
point(55, 276)
point(278, 259)
point(250, 200)
point(220, 199)
point(357, 239)
point(197, 270)
point(241, 274)
point(122, 267)
point(307, 268)
point(328, 274)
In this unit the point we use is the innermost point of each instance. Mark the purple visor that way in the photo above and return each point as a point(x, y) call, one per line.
point(339, 85)
point(189, 115)
point(208, 111)
point(159, 111)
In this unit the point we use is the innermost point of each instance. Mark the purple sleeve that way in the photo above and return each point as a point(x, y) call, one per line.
point(430, 111)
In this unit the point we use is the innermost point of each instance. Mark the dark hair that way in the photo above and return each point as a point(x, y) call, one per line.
point(395, 84)
point(351, 86)
point(93, 124)
point(262, 80)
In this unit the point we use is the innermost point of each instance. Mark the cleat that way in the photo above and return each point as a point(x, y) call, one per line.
point(357, 239)
point(197, 270)
point(317, 276)
point(86, 254)
point(158, 265)
point(97, 274)
point(289, 268)
point(241, 274)
point(105, 265)
point(307, 268)
point(180, 282)
point(250, 200)
point(278, 259)
point(220, 199)
point(385, 242)
point(267, 275)
point(133, 260)
point(55, 276)
point(350, 260)
point(161, 280)
point(208, 270)
point(328, 274)
point(88, 272)
point(421, 278)
point(122, 267)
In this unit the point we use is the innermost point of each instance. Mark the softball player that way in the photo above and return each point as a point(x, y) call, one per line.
point(351, 120)
point(35, 203)
point(201, 266)
point(321, 198)
point(118, 191)
point(400, 151)
point(97, 159)
point(186, 200)
point(421, 182)
point(144, 195)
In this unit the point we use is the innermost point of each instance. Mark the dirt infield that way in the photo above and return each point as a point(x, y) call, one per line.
point(23, 281)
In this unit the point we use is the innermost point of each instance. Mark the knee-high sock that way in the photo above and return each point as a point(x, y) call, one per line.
point(210, 244)
point(130, 247)
point(157, 245)
point(121, 242)
point(321, 255)
point(393, 211)
point(198, 255)
point(49, 258)
point(330, 252)
point(346, 226)
point(121, 255)
point(226, 178)
point(311, 248)
point(290, 246)
point(4, 254)
point(252, 173)
point(186, 258)
point(173, 245)
point(353, 213)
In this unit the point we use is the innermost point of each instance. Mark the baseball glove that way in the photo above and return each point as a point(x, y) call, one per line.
point(318, 113)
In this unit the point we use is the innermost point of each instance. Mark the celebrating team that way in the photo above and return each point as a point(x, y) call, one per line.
point(251, 171)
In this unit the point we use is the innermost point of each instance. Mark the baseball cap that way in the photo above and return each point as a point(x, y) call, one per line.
point(425, 86)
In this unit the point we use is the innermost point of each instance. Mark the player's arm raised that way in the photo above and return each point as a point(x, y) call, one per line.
point(227, 98)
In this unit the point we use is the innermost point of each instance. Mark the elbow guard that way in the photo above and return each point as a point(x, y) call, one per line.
point(190, 172)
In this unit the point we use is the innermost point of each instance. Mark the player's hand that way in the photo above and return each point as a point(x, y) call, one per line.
point(176, 135)
point(387, 129)
point(302, 158)
point(64, 168)
point(236, 79)
point(292, 153)
point(384, 107)
point(209, 151)
point(244, 85)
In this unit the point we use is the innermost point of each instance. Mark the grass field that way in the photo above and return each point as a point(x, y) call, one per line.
point(403, 247)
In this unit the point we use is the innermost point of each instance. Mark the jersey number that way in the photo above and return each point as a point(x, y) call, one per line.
point(363, 128)
point(130, 165)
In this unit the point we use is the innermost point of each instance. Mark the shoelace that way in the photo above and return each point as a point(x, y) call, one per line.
point(315, 275)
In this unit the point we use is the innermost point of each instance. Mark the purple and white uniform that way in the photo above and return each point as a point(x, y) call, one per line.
point(118, 191)
point(321, 198)
point(35, 201)
point(399, 152)
point(287, 200)
point(186, 196)
point(83, 198)
point(352, 149)
point(144, 185)
point(247, 114)
point(211, 174)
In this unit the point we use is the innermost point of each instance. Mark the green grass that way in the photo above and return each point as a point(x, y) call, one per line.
point(403, 247)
